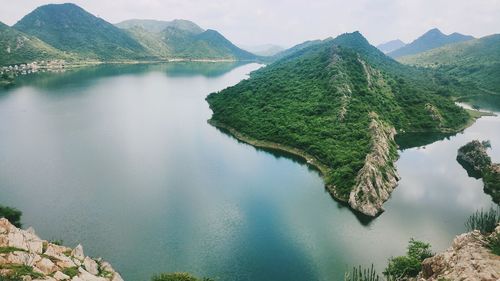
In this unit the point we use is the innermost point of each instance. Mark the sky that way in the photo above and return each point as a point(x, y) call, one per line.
point(286, 23)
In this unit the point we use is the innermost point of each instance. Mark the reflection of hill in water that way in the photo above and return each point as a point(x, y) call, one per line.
point(83, 75)
point(362, 218)
point(484, 102)
point(411, 140)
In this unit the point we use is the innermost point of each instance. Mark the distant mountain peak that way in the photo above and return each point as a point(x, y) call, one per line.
point(390, 46)
point(431, 39)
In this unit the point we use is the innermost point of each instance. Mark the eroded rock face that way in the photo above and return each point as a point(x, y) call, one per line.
point(378, 177)
point(467, 259)
point(48, 261)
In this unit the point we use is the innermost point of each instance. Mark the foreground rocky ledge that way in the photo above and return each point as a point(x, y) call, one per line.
point(24, 256)
point(468, 258)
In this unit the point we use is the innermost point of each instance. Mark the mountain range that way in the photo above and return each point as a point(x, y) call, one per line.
point(433, 38)
point(66, 31)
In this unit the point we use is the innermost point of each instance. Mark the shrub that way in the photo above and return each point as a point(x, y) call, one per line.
point(484, 221)
point(362, 274)
point(11, 214)
point(494, 244)
point(177, 276)
point(411, 264)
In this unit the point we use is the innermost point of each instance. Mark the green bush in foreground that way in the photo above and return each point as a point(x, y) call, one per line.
point(494, 244)
point(362, 274)
point(411, 264)
point(484, 221)
point(177, 276)
point(12, 214)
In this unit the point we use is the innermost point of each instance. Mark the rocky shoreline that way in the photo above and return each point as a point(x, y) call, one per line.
point(24, 256)
point(468, 258)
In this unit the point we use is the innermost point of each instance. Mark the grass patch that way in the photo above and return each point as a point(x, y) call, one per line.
point(362, 274)
point(19, 270)
point(484, 221)
point(6, 250)
point(494, 244)
point(71, 271)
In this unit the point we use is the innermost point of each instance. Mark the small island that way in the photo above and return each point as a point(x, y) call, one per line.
point(475, 159)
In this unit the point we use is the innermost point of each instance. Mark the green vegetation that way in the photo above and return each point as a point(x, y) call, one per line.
point(362, 274)
point(432, 39)
point(177, 276)
point(5, 250)
point(494, 244)
point(319, 100)
point(484, 221)
point(17, 47)
point(69, 28)
point(16, 271)
point(11, 214)
point(411, 264)
point(475, 63)
point(71, 271)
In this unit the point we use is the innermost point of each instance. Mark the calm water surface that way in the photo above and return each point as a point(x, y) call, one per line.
point(121, 159)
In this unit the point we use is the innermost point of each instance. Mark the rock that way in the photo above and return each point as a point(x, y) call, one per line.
point(78, 252)
point(467, 259)
point(474, 158)
point(52, 262)
point(46, 266)
point(91, 266)
point(378, 177)
point(60, 276)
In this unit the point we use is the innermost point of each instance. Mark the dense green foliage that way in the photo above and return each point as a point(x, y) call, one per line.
point(362, 274)
point(318, 100)
point(177, 276)
point(484, 221)
point(491, 179)
point(433, 38)
point(11, 214)
point(157, 26)
point(475, 62)
point(70, 28)
point(17, 47)
point(410, 264)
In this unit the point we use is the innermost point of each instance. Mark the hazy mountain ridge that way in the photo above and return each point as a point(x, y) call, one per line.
point(390, 46)
point(433, 38)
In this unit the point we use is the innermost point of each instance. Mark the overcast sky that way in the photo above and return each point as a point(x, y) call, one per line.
point(287, 23)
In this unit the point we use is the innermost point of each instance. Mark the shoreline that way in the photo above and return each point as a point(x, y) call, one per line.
point(309, 159)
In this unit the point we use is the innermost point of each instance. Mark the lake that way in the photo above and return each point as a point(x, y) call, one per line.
point(121, 159)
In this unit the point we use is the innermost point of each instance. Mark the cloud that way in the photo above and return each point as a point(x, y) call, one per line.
point(291, 22)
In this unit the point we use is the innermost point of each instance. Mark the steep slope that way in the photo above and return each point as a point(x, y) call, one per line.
point(157, 26)
point(17, 47)
point(337, 104)
point(391, 46)
point(433, 38)
point(70, 28)
point(180, 39)
point(474, 61)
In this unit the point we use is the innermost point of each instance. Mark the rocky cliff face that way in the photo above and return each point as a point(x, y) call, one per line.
point(468, 258)
point(378, 177)
point(24, 256)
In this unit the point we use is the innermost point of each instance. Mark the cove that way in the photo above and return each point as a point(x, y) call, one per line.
point(121, 159)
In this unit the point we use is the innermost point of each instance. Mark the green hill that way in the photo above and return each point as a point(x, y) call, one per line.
point(182, 39)
point(475, 62)
point(157, 26)
point(337, 104)
point(433, 38)
point(17, 47)
point(69, 28)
